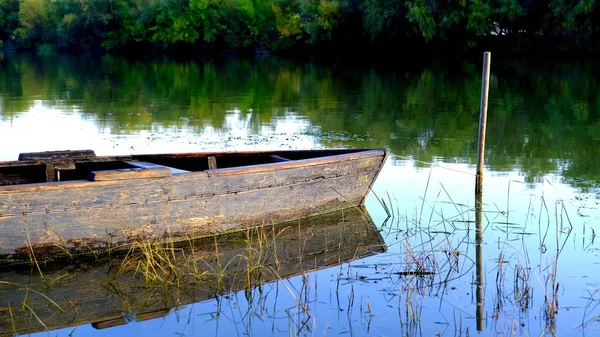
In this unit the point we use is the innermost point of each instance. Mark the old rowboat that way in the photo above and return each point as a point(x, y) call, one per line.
point(71, 202)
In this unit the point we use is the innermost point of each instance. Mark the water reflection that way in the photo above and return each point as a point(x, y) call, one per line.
point(480, 278)
point(151, 281)
point(532, 270)
point(523, 254)
point(542, 119)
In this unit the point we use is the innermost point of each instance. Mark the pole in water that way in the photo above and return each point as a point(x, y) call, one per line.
point(485, 86)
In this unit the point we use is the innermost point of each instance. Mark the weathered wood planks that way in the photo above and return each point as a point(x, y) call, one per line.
point(130, 174)
point(53, 155)
point(120, 206)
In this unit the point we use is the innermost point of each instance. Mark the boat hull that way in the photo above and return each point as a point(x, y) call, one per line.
point(74, 217)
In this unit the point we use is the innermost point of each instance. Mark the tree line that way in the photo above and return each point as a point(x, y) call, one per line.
point(328, 26)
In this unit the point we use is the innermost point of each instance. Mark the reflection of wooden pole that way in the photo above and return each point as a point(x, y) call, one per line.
point(479, 296)
point(485, 86)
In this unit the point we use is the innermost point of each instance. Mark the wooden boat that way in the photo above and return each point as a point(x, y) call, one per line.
point(68, 296)
point(73, 202)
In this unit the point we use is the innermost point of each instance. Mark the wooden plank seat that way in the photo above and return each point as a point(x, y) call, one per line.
point(212, 161)
point(148, 165)
point(129, 174)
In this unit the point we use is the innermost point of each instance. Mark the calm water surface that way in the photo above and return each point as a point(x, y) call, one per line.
point(541, 192)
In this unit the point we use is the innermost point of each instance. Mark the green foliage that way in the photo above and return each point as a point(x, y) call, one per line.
point(84, 24)
point(36, 24)
point(451, 19)
point(288, 21)
point(168, 22)
point(134, 18)
point(263, 27)
point(206, 23)
point(9, 18)
point(579, 18)
point(420, 14)
point(295, 24)
point(505, 15)
point(389, 17)
point(323, 18)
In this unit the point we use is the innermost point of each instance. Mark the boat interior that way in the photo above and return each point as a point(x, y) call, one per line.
point(41, 167)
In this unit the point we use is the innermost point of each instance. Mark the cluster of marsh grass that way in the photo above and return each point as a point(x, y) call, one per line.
point(156, 262)
point(435, 240)
point(161, 263)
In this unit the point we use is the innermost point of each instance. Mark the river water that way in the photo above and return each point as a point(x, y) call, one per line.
point(539, 257)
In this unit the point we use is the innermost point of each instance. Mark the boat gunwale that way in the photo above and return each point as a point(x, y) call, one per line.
point(211, 173)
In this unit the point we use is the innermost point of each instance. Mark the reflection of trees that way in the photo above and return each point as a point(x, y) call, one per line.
point(551, 124)
point(543, 119)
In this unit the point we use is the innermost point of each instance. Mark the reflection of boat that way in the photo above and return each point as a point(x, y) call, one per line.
point(70, 296)
point(74, 201)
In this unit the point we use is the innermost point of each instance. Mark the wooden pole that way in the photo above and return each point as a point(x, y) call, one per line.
point(485, 86)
